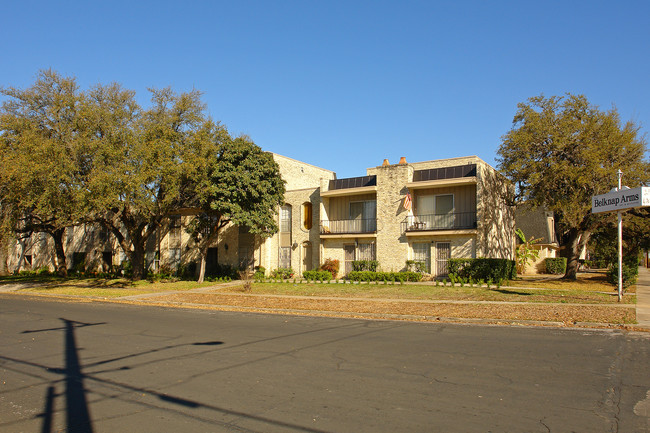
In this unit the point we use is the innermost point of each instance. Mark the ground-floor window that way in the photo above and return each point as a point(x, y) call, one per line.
point(422, 254)
point(285, 257)
point(443, 254)
point(366, 252)
point(174, 258)
point(360, 251)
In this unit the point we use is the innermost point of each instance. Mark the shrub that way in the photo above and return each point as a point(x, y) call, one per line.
point(260, 273)
point(555, 265)
point(368, 276)
point(282, 273)
point(630, 274)
point(483, 269)
point(332, 266)
point(317, 275)
point(365, 265)
point(416, 266)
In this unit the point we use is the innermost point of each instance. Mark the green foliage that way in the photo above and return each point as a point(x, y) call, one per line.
point(365, 265)
point(526, 251)
point(282, 273)
point(331, 266)
point(416, 266)
point(560, 152)
point(630, 274)
point(260, 273)
point(555, 265)
point(482, 269)
point(368, 276)
point(317, 275)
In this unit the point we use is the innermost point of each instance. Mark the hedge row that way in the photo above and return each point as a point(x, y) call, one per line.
point(317, 275)
point(384, 276)
point(555, 265)
point(483, 269)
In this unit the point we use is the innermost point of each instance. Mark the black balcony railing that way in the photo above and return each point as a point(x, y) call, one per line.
point(348, 226)
point(448, 221)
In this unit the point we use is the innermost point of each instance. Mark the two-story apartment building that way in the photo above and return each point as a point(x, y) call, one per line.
point(425, 211)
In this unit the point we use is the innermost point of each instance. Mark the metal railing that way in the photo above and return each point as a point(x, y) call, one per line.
point(448, 221)
point(348, 226)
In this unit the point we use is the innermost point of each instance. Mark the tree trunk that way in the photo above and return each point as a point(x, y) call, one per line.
point(137, 260)
point(61, 266)
point(202, 269)
point(572, 253)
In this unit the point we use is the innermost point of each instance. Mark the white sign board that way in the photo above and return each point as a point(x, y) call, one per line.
point(621, 200)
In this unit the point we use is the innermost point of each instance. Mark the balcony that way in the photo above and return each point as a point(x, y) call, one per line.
point(351, 226)
point(448, 221)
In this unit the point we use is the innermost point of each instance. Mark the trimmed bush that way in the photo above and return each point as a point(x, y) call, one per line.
point(365, 265)
point(630, 274)
point(416, 266)
point(555, 265)
point(368, 276)
point(317, 275)
point(282, 273)
point(330, 265)
point(483, 269)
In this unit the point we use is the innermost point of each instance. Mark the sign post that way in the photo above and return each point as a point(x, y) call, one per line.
point(620, 199)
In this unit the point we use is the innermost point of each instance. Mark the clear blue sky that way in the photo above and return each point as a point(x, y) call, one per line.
point(345, 84)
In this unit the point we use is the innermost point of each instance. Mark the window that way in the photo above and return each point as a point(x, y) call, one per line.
point(364, 216)
point(353, 252)
point(175, 228)
point(174, 257)
point(284, 260)
point(366, 252)
point(436, 211)
point(307, 215)
point(285, 218)
point(422, 253)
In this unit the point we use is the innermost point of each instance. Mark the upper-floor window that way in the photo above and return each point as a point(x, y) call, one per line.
point(307, 215)
point(285, 218)
point(175, 228)
point(363, 215)
point(435, 211)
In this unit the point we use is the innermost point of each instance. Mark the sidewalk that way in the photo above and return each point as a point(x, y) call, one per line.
point(643, 298)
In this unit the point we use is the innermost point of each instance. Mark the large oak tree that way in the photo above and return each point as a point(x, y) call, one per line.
point(43, 159)
point(560, 152)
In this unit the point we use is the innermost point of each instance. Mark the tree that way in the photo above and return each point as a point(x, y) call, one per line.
point(233, 181)
point(139, 161)
point(560, 152)
point(42, 148)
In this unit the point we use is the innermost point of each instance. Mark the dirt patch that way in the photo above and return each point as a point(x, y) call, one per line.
point(536, 312)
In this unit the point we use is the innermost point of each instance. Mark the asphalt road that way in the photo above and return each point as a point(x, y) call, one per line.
point(94, 367)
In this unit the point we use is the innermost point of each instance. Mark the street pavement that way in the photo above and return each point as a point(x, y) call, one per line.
point(95, 367)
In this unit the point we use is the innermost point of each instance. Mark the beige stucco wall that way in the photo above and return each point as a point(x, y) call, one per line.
point(496, 219)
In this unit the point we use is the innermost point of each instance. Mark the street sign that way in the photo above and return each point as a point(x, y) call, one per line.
point(621, 199)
